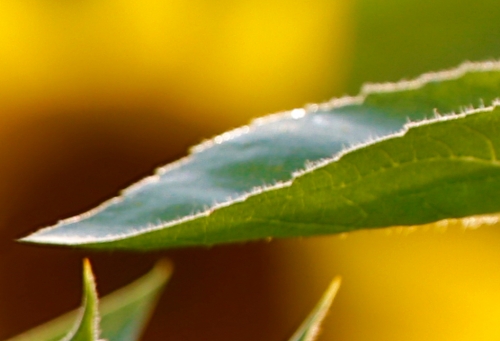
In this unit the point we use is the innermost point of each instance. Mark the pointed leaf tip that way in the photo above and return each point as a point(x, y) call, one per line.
point(87, 326)
point(163, 269)
point(309, 329)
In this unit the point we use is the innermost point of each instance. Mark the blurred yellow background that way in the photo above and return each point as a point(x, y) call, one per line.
point(217, 60)
point(95, 93)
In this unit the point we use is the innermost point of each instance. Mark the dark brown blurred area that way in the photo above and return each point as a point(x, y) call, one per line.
point(66, 163)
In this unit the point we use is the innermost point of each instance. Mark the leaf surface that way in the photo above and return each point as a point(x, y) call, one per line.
point(124, 312)
point(309, 329)
point(250, 183)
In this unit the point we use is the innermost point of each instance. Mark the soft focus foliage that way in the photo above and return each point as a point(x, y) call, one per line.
point(120, 316)
point(310, 328)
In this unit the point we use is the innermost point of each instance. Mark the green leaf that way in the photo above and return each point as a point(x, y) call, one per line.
point(250, 183)
point(124, 312)
point(309, 329)
point(87, 326)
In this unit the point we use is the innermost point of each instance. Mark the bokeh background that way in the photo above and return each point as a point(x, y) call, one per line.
point(96, 93)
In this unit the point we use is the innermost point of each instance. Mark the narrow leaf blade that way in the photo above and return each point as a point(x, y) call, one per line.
point(124, 313)
point(309, 329)
point(249, 183)
point(87, 326)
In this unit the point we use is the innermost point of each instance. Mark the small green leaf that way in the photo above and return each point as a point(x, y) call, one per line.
point(309, 329)
point(124, 312)
point(250, 183)
point(87, 326)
